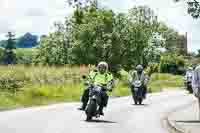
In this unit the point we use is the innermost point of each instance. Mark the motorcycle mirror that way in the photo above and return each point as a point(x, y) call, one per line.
point(84, 77)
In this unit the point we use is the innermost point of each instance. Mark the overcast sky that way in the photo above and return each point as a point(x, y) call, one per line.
point(37, 16)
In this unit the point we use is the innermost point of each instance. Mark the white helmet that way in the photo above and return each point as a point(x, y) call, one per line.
point(103, 64)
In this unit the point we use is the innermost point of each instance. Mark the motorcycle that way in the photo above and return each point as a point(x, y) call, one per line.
point(188, 83)
point(92, 109)
point(137, 92)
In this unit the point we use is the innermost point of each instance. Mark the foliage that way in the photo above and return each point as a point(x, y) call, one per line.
point(26, 55)
point(152, 68)
point(172, 63)
point(119, 39)
point(53, 49)
point(193, 8)
point(173, 41)
point(3, 43)
point(11, 44)
point(198, 54)
point(9, 56)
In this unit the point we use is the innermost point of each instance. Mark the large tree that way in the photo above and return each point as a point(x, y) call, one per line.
point(119, 39)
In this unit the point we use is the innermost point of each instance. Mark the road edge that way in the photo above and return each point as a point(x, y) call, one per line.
point(171, 125)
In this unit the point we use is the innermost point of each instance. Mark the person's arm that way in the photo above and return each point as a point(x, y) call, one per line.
point(110, 80)
point(130, 76)
point(146, 79)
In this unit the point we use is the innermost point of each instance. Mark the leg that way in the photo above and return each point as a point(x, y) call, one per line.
point(85, 98)
point(144, 91)
point(104, 102)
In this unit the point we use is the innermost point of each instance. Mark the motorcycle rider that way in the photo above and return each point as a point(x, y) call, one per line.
point(188, 78)
point(99, 77)
point(189, 73)
point(139, 74)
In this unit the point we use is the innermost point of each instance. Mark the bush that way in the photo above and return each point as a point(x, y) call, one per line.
point(172, 64)
point(152, 68)
point(159, 81)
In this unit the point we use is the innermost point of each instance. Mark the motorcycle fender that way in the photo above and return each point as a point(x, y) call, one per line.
point(94, 97)
point(136, 89)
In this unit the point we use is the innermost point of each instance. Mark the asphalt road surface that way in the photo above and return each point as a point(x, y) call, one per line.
point(121, 116)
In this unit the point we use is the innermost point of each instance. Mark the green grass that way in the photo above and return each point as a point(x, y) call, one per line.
point(40, 95)
point(158, 82)
point(22, 86)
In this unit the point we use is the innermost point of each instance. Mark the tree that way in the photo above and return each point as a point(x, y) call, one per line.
point(3, 43)
point(11, 44)
point(9, 55)
point(145, 23)
point(53, 49)
point(198, 54)
point(27, 41)
point(193, 8)
point(173, 41)
point(119, 39)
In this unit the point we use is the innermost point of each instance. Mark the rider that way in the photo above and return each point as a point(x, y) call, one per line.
point(189, 71)
point(139, 74)
point(99, 77)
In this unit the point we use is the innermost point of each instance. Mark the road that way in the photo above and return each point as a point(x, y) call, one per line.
point(121, 116)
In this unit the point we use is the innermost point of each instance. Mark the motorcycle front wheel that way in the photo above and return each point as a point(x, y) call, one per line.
point(140, 101)
point(91, 109)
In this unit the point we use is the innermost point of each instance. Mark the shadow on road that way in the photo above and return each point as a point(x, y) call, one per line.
point(101, 121)
point(189, 121)
point(145, 105)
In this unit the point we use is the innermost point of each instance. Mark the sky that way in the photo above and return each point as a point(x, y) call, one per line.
point(38, 16)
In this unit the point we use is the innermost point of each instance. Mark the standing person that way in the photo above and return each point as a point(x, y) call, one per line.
point(196, 84)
